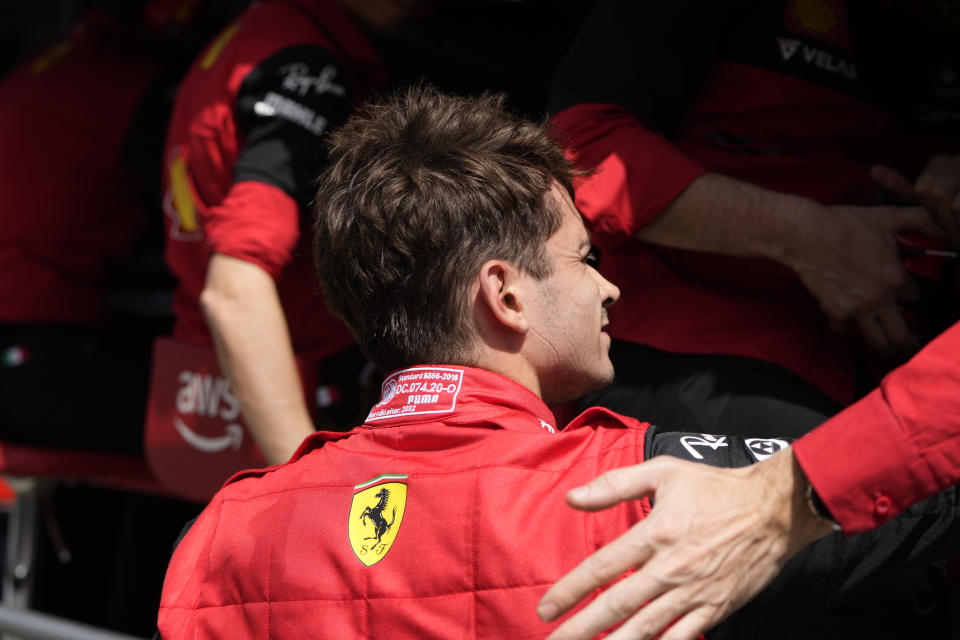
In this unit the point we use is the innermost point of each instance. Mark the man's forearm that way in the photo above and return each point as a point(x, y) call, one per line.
point(714, 539)
point(723, 215)
point(846, 256)
point(253, 346)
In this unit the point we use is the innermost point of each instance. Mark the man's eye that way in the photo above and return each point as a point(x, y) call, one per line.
point(593, 257)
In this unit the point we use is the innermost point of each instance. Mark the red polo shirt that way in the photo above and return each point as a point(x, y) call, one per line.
point(244, 145)
point(793, 96)
point(70, 210)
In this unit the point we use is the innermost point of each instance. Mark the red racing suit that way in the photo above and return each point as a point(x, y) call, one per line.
point(795, 96)
point(244, 147)
point(443, 516)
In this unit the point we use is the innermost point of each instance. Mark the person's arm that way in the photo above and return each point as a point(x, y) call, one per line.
point(846, 256)
point(714, 539)
point(903, 440)
point(253, 347)
point(897, 445)
point(616, 119)
point(284, 106)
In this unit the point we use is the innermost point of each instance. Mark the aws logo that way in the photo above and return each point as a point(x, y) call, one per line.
point(375, 516)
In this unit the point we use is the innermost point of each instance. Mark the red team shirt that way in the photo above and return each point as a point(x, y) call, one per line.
point(764, 92)
point(245, 144)
point(70, 208)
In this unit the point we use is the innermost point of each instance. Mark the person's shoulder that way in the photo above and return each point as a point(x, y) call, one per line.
point(298, 472)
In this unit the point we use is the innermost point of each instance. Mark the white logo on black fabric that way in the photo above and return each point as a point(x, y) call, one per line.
point(702, 440)
point(763, 448)
point(297, 79)
point(788, 47)
point(816, 57)
point(275, 105)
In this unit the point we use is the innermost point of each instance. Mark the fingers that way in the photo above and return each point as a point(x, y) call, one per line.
point(896, 330)
point(627, 483)
point(618, 602)
point(938, 187)
point(656, 615)
point(909, 290)
point(893, 181)
point(915, 219)
point(628, 551)
point(873, 333)
point(886, 332)
point(692, 624)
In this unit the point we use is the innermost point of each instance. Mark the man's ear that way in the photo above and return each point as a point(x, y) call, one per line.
point(501, 292)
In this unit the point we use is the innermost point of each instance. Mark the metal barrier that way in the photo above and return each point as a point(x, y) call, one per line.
point(30, 625)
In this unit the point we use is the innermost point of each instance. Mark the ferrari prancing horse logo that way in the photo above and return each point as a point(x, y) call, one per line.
point(375, 516)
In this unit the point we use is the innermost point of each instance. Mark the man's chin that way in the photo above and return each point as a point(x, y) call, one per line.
point(588, 384)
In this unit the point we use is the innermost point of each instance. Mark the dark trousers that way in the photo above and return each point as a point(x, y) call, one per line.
point(711, 394)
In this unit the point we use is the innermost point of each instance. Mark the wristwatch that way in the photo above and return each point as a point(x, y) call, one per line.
point(819, 509)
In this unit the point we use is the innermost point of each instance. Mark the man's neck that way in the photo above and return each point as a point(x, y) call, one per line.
point(508, 365)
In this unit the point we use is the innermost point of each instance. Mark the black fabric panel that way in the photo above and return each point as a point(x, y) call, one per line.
point(881, 584)
point(284, 107)
point(649, 57)
point(836, 587)
point(711, 394)
point(715, 450)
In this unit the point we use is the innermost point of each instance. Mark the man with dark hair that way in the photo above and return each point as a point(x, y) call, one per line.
point(447, 240)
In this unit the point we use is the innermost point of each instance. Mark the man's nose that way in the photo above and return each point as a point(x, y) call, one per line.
point(611, 293)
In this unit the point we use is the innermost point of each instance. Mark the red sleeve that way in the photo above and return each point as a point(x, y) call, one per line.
point(896, 446)
point(256, 222)
point(637, 172)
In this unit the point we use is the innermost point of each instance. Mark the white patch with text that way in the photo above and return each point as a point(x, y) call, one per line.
point(417, 391)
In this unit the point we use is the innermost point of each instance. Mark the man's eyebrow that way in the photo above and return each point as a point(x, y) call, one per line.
point(587, 241)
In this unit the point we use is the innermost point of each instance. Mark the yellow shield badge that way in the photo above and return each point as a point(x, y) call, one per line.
point(375, 516)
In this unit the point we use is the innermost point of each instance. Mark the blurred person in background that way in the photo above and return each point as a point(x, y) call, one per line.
point(741, 205)
point(82, 124)
point(245, 143)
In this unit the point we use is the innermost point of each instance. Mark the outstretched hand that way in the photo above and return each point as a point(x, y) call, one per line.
point(714, 539)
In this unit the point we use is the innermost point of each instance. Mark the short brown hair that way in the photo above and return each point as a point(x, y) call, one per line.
point(420, 190)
